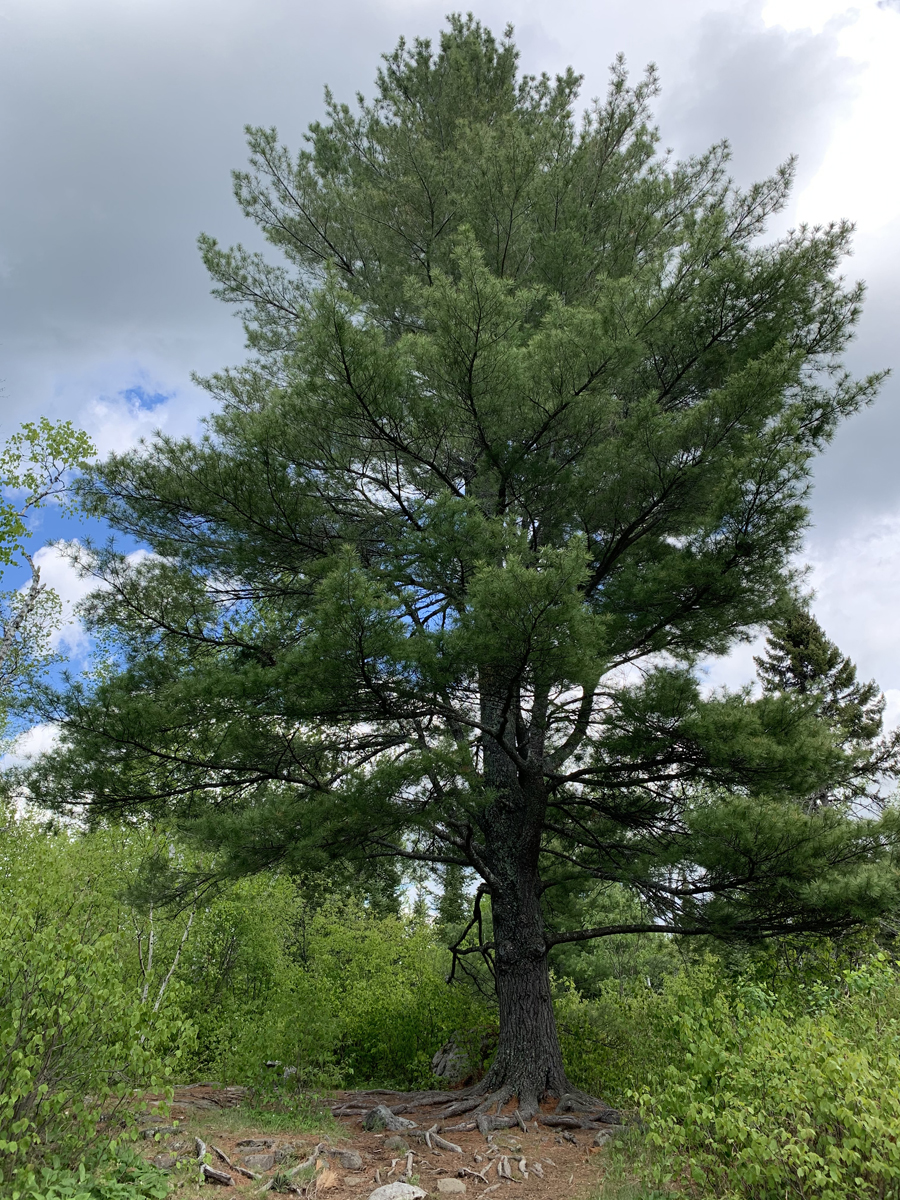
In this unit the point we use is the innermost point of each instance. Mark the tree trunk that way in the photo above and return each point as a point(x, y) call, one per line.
point(528, 1063)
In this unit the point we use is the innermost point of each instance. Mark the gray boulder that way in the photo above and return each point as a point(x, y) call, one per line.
point(348, 1159)
point(259, 1162)
point(397, 1191)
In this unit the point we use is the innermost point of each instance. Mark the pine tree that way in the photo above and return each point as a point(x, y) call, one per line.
point(453, 903)
point(525, 436)
point(801, 661)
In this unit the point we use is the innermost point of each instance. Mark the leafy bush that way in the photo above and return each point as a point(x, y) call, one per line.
point(745, 1093)
point(335, 992)
point(74, 1039)
point(125, 1177)
point(615, 1042)
point(768, 1102)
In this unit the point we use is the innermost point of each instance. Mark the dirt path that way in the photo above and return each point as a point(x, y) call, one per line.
point(535, 1164)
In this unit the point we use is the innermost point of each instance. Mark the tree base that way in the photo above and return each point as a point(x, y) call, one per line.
point(483, 1105)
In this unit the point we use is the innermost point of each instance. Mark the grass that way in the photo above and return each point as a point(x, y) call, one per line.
point(628, 1161)
point(272, 1112)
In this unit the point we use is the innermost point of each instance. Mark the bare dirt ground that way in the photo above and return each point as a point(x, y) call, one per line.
point(346, 1162)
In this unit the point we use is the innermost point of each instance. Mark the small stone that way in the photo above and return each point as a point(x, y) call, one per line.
point(214, 1175)
point(397, 1191)
point(165, 1162)
point(396, 1143)
point(451, 1187)
point(606, 1135)
point(162, 1130)
point(348, 1159)
point(259, 1162)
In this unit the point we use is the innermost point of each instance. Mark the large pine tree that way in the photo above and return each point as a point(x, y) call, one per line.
point(525, 437)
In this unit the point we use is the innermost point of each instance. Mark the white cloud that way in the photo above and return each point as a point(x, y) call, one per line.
point(857, 585)
point(59, 574)
point(859, 176)
point(33, 742)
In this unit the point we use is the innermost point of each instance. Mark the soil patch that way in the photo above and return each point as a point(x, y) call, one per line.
point(534, 1163)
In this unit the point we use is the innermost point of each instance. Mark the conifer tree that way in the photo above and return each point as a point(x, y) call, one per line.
point(525, 437)
point(801, 661)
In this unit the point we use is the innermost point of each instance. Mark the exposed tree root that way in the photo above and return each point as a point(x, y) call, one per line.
point(574, 1110)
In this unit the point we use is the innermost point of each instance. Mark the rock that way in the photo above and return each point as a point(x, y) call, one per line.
point(451, 1063)
point(259, 1162)
point(216, 1176)
point(381, 1117)
point(255, 1144)
point(451, 1187)
point(162, 1130)
point(606, 1135)
point(397, 1191)
point(397, 1143)
point(348, 1159)
point(165, 1162)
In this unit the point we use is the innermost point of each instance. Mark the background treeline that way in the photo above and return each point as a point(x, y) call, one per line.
point(769, 1073)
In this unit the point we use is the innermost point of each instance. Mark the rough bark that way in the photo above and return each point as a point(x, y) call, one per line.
point(528, 1064)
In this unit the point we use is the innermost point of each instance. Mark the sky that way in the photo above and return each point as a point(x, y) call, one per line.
point(121, 120)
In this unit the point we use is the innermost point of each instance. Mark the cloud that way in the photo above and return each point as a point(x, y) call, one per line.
point(59, 574)
point(770, 91)
point(28, 745)
point(857, 584)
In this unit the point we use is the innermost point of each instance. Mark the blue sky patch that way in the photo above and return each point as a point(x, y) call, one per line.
point(143, 399)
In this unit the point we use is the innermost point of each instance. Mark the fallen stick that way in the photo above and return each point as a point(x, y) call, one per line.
point(309, 1162)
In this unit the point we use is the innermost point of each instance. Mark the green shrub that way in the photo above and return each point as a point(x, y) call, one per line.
point(337, 993)
point(74, 1039)
point(745, 1093)
point(768, 1102)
